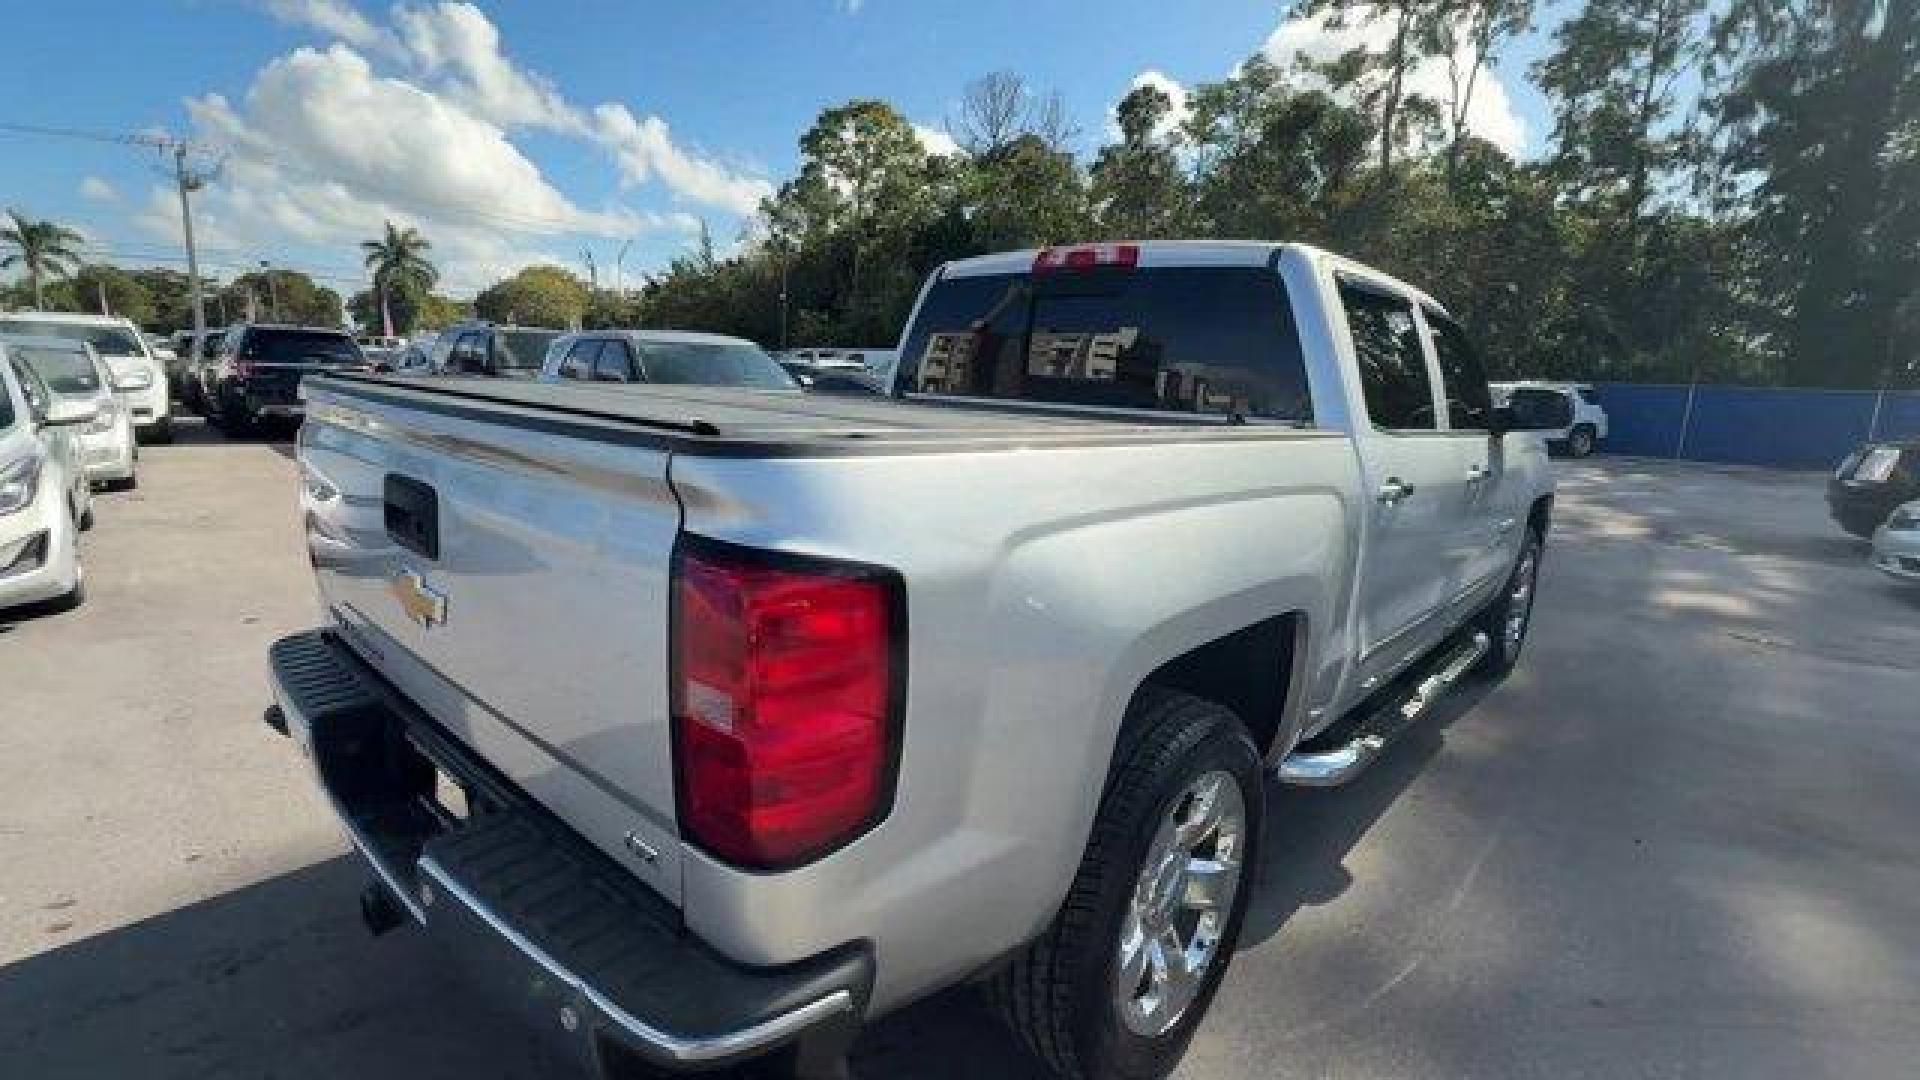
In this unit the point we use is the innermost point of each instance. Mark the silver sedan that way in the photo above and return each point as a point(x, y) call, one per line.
point(1896, 544)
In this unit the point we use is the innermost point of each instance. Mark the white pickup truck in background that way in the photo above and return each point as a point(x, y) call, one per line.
point(710, 723)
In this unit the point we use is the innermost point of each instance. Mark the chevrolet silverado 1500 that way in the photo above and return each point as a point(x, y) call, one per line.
point(711, 723)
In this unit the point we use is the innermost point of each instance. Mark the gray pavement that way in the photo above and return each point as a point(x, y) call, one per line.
point(1679, 842)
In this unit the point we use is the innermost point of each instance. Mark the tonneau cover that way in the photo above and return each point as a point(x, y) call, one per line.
point(738, 420)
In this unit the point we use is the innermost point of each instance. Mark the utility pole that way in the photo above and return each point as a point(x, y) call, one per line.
point(189, 181)
point(593, 272)
point(618, 267)
point(783, 299)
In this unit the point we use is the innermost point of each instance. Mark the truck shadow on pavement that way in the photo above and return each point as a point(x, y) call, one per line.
point(280, 979)
point(1310, 832)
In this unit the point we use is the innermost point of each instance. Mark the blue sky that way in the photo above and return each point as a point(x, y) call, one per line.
point(520, 132)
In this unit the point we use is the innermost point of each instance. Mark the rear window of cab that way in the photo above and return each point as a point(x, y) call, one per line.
point(1207, 340)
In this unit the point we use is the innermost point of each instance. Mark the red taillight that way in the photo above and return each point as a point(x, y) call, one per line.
point(783, 703)
point(1086, 257)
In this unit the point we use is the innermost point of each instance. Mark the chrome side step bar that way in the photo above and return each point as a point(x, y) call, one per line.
point(1336, 766)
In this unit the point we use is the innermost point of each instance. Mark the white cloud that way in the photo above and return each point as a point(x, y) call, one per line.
point(305, 167)
point(98, 190)
point(850, 7)
point(411, 119)
point(335, 18)
point(1491, 115)
point(935, 140)
point(1176, 94)
point(459, 43)
point(455, 51)
point(644, 149)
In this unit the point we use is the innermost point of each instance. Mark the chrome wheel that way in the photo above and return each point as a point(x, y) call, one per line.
point(1170, 937)
point(1520, 599)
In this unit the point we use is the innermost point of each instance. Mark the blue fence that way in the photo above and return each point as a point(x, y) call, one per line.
point(1746, 425)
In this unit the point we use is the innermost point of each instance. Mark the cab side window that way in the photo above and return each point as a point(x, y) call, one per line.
point(580, 359)
point(1469, 402)
point(470, 354)
point(615, 363)
point(1393, 365)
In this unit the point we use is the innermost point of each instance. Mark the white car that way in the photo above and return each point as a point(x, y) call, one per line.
point(45, 500)
point(139, 379)
point(77, 376)
point(662, 356)
point(1589, 427)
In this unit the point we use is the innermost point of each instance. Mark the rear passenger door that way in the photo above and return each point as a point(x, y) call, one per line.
point(1412, 549)
point(1487, 514)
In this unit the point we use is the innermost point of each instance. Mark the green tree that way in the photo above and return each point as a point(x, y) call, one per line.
point(542, 295)
point(1024, 193)
point(402, 276)
point(1819, 102)
point(41, 248)
point(1377, 78)
point(167, 291)
point(1137, 185)
point(865, 190)
point(1468, 34)
point(1613, 80)
point(1277, 161)
point(124, 294)
point(283, 296)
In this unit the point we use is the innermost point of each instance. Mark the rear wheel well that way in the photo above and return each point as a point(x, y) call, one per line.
point(1540, 516)
point(1249, 672)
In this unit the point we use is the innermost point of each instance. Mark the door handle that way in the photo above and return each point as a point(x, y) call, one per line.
point(1394, 490)
point(1477, 474)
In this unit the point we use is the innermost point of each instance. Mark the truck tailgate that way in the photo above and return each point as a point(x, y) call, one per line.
point(515, 586)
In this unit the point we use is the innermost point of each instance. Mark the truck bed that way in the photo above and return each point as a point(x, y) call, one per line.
point(729, 421)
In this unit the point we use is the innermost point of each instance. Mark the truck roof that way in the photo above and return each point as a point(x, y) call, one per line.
point(740, 422)
point(1186, 253)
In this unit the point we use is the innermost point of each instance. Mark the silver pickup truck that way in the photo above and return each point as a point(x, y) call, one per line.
point(710, 724)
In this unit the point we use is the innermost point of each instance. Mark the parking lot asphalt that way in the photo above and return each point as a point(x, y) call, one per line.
point(1679, 842)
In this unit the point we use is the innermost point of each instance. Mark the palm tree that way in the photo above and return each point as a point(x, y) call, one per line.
point(399, 264)
point(44, 248)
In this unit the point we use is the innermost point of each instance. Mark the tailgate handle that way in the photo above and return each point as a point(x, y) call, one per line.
point(413, 515)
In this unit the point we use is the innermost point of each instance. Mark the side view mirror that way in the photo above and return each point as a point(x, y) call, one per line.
point(1533, 410)
point(64, 415)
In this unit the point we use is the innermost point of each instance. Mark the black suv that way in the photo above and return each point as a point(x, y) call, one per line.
point(1871, 482)
point(257, 373)
point(498, 352)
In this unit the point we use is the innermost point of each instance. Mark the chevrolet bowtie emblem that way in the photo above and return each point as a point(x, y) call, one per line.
point(421, 603)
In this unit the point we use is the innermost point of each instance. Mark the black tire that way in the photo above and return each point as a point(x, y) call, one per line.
point(1058, 992)
point(1503, 651)
point(86, 519)
point(1581, 441)
point(73, 598)
point(162, 433)
point(124, 483)
point(233, 426)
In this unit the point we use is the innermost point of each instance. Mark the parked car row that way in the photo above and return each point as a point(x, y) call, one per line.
point(1875, 495)
point(63, 429)
point(139, 378)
